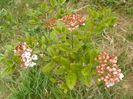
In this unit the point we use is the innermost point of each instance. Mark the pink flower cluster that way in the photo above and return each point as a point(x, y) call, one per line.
point(108, 70)
point(73, 21)
point(25, 54)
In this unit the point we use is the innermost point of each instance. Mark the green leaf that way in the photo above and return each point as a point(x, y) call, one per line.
point(86, 70)
point(87, 80)
point(7, 71)
point(8, 48)
point(78, 44)
point(71, 79)
point(93, 54)
point(61, 70)
point(51, 51)
point(53, 37)
point(75, 67)
point(53, 3)
point(64, 87)
point(1, 56)
point(65, 47)
point(48, 67)
point(56, 59)
point(64, 61)
point(3, 12)
point(44, 6)
point(61, 61)
point(61, 2)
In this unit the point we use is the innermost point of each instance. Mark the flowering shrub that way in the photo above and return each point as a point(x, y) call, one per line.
point(71, 50)
point(67, 51)
point(108, 69)
point(60, 41)
point(70, 58)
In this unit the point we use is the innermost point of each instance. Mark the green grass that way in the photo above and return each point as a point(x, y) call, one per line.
point(31, 84)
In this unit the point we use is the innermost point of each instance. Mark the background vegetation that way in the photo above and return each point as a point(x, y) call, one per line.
point(109, 27)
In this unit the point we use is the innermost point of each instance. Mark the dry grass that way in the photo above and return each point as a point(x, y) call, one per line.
point(115, 41)
point(128, 83)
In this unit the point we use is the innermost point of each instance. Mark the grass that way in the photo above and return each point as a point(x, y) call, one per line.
point(31, 84)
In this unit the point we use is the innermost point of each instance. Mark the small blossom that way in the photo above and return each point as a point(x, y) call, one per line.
point(27, 64)
point(29, 50)
point(32, 64)
point(29, 59)
point(109, 84)
point(26, 54)
point(121, 76)
point(34, 57)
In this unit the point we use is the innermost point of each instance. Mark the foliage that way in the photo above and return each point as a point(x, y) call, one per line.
point(110, 3)
point(123, 6)
point(70, 56)
point(66, 58)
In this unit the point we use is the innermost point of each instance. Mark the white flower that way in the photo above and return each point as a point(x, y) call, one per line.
point(110, 84)
point(34, 57)
point(114, 69)
point(26, 54)
point(83, 24)
point(29, 59)
point(121, 76)
point(27, 64)
point(15, 51)
point(24, 59)
point(115, 72)
point(32, 64)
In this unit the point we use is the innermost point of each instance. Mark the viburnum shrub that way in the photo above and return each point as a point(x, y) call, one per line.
point(71, 54)
point(70, 49)
point(67, 51)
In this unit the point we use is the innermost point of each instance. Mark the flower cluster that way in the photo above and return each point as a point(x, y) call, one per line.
point(25, 54)
point(73, 21)
point(108, 70)
point(51, 23)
